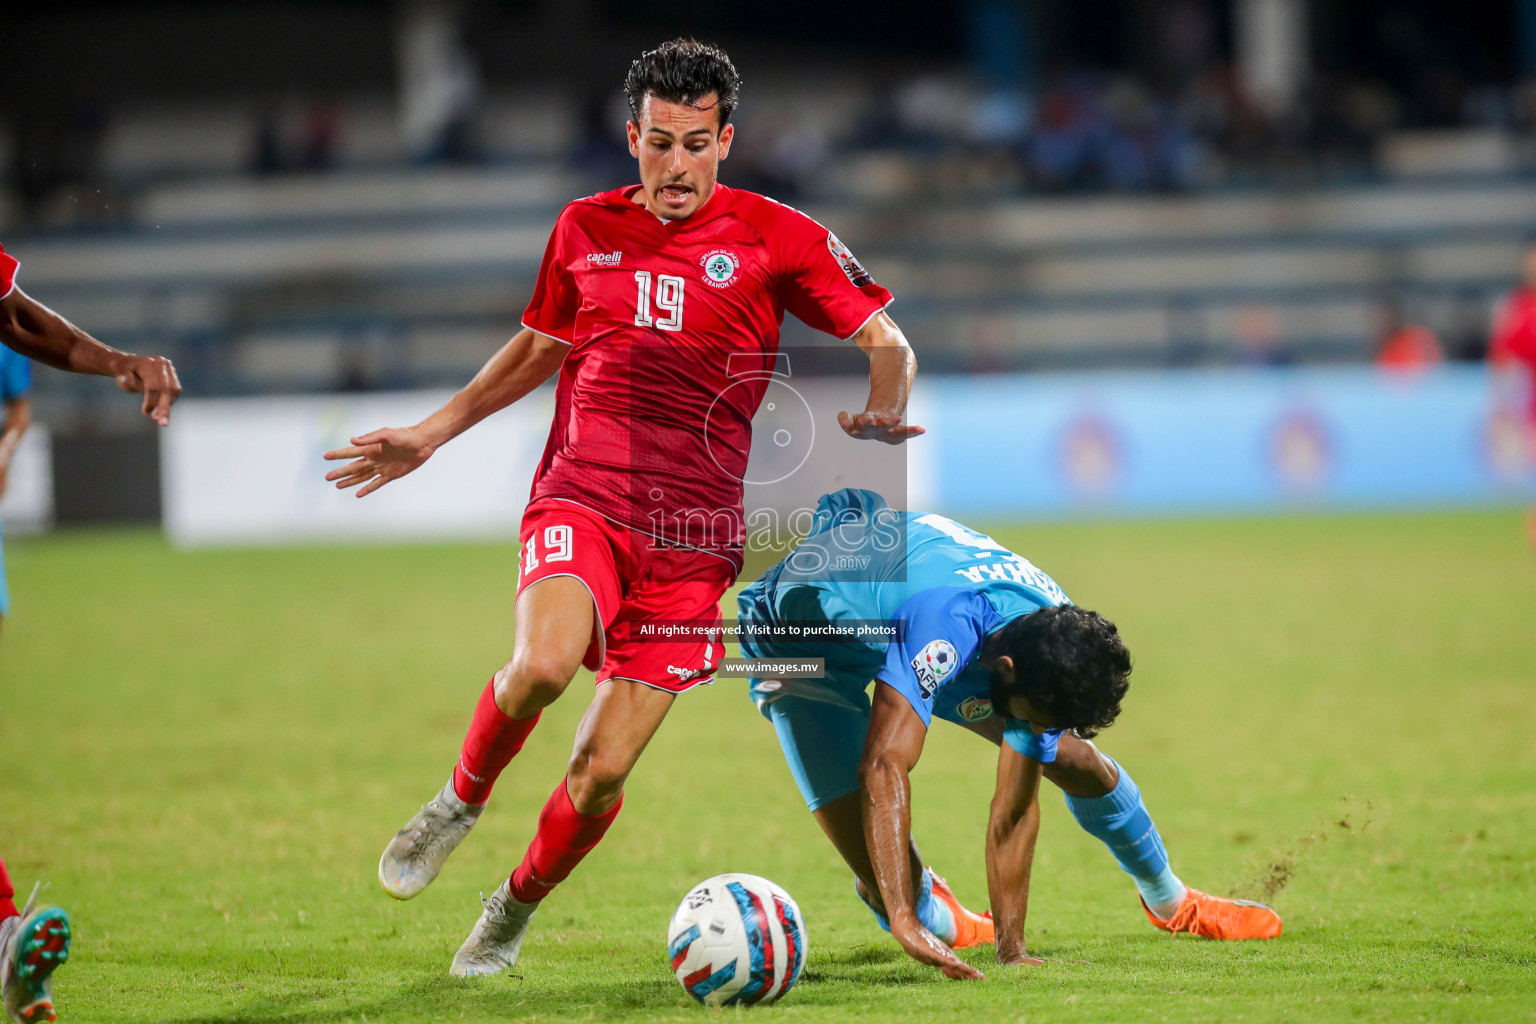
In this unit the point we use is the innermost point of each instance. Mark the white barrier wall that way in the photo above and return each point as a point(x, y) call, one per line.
point(1005, 448)
point(250, 471)
point(27, 505)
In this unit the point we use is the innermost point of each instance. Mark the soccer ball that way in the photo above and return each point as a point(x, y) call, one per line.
point(737, 939)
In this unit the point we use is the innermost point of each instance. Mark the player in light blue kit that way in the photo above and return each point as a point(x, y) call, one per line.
point(977, 636)
point(15, 415)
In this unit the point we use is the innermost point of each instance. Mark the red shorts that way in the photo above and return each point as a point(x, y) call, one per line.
point(634, 582)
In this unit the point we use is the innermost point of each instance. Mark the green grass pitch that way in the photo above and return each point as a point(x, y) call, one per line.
point(205, 752)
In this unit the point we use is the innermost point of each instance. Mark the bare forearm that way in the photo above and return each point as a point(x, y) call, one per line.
point(892, 366)
point(1010, 856)
point(39, 333)
point(886, 796)
point(520, 366)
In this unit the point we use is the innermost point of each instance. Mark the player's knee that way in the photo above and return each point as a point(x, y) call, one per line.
point(595, 779)
point(530, 682)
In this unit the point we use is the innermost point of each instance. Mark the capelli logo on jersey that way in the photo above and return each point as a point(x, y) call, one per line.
point(720, 267)
point(606, 259)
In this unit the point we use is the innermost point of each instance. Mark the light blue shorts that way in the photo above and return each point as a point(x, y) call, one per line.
point(822, 723)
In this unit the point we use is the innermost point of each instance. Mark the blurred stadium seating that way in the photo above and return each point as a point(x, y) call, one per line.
point(1107, 208)
point(409, 277)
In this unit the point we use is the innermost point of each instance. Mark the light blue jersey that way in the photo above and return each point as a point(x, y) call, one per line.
point(940, 586)
point(15, 381)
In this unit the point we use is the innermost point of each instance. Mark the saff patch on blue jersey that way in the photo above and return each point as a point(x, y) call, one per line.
point(933, 665)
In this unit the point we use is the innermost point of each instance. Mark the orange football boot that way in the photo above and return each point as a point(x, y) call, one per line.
point(970, 929)
point(1214, 917)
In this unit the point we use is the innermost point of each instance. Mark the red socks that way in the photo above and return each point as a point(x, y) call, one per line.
point(565, 836)
point(8, 894)
point(493, 740)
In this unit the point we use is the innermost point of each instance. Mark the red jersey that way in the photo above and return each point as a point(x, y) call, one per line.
point(8, 267)
point(1514, 337)
point(673, 328)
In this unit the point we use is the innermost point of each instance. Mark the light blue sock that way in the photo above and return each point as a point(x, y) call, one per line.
point(1120, 820)
point(931, 911)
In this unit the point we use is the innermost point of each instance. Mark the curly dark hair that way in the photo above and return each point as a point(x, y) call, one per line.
point(1068, 662)
point(683, 71)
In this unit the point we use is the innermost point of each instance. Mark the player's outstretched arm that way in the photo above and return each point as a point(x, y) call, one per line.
point(39, 333)
point(1011, 833)
point(892, 366)
point(376, 458)
point(893, 745)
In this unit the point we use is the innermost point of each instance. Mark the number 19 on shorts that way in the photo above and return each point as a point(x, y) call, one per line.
point(557, 547)
point(669, 300)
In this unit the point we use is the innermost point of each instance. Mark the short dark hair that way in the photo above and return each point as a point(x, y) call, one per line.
point(1068, 662)
point(683, 71)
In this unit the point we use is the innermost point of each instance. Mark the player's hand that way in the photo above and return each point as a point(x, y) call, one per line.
point(155, 378)
point(5, 472)
point(877, 426)
point(379, 457)
point(925, 947)
point(1018, 958)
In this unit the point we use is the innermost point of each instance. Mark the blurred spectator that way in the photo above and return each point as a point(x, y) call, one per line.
point(1512, 343)
point(1512, 351)
point(439, 85)
point(57, 159)
point(1111, 133)
point(319, 134)
point(1256, 329)
point(1402, 347)
point(602, 153)
point(268, 154)
point(1467, 337)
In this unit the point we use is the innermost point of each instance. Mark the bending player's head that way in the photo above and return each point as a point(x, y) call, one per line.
point(1059, 668)
point(681, 95)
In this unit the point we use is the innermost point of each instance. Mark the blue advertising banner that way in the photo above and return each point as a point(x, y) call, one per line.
point(1215, 441)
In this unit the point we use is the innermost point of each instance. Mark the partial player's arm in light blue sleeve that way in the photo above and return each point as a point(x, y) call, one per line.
point(939, 631)
point(1041, 746)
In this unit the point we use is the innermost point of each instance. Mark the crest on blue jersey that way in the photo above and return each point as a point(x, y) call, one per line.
point(974, 709)
point(934, 664)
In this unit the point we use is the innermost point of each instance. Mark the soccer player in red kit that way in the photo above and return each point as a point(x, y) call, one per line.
point(1512, 351)
point(34, 941)
point(652, 303)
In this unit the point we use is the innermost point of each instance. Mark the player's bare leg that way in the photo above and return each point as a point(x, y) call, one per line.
point(941, 913)
point(619, 723)
point(1107, 804)
point(555, 625)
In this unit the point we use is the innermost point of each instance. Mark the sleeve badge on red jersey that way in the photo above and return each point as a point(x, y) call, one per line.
point(721, 267)
point(845, 259)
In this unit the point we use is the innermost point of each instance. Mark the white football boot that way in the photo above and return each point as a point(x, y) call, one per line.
point(497, 938)
point(418, 852)
point(31, 947)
